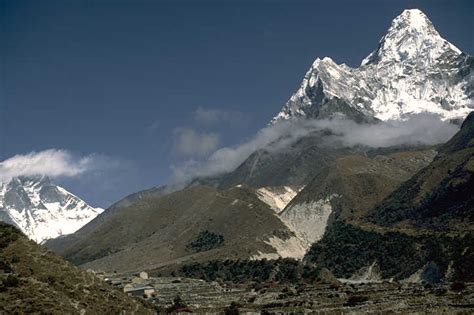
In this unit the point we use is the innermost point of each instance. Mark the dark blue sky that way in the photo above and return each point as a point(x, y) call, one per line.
point(122, 78)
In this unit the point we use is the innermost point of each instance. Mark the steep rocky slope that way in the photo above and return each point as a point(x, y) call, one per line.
point(421, 231)
point(292, 165)
point(441, 196)
point(277, 197)
point(195, 224)
point(34, 280)
point(348, 187)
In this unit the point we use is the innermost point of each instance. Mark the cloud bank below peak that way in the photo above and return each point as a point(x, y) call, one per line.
point(420, 129)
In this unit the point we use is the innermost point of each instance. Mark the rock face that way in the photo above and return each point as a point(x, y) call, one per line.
point(309, 219)
point(41, 209)
point(413, 70)
point(277, 197)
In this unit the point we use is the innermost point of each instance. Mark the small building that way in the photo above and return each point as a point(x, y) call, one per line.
point(138, 280)
point(144, 275)
point(143, 291)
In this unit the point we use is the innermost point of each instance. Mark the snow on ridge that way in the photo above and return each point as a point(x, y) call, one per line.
point(411, 35)
point(414, 70)
point(43, 210)
point(416, 18)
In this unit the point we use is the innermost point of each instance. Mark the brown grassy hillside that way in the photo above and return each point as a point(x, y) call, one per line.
point(35, 280)
point(161, 230)
point(361, 182)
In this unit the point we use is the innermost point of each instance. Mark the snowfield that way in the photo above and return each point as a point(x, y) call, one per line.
point(42, 210)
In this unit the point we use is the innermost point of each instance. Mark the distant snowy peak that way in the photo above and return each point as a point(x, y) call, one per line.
point(413, 70)
point(41, 209)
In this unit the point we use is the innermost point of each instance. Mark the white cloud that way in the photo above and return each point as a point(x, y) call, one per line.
point(420, 129)
point(228, 158)
point(52, 162)
point(191, 143)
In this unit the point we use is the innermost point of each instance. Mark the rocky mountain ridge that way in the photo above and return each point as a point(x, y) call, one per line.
point(413, 70)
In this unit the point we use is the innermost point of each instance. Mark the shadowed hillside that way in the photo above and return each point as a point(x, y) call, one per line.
point(34, 280)
point(421, 231)
point(441, 196)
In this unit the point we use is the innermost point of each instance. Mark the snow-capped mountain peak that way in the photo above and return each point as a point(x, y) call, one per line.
point(41, 209)
point(413, 70)
point(411, 36)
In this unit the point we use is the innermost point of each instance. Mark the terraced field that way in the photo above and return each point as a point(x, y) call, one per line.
point(336, 298)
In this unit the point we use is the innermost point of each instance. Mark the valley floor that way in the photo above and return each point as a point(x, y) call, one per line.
point(338, 298)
